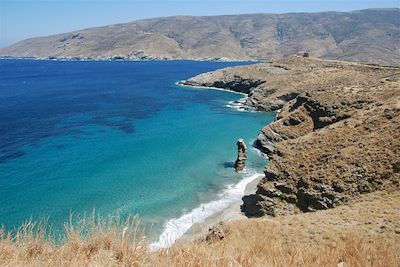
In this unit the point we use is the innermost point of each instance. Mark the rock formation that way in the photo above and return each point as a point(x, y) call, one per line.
point(240, 162)
point(217, 232)
point(336, 135)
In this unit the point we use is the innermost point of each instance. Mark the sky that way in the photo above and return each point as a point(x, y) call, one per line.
point(21, 19)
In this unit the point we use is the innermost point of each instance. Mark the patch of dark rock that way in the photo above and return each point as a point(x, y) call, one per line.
point(300, 100)
point(270, 176)
point(269, 192)
point(258, 205)
point(302, 183)
point(396, 166)
point(118, 58)
point(338, 186)
point(290, 198)
point(77, 36)
point(293, 121)
point(217, 232)
point(321, 115)
point(238, 85)
point(288, 96)
point(283, 187)
point(321, 187)
point(280, 67)
point(390, 114)
point(311, 201)
point(266, 147)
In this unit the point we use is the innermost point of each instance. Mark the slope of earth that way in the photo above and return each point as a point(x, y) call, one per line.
point(371, 35)
point(336, 136)
point(366, 232)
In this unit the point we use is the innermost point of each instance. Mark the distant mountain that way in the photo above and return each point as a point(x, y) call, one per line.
point(371, 35)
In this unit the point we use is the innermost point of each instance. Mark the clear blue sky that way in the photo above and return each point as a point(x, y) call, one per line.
point(21, 19)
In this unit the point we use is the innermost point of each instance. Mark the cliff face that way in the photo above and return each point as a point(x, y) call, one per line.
point(336, 136)
point(368, 35)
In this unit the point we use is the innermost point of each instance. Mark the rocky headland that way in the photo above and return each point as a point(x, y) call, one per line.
point(336, 136)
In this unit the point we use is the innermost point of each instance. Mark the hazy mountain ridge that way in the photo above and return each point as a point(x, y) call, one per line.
point(371, 35)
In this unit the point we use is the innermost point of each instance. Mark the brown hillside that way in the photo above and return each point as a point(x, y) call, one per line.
point(336, 137)
point(371, 35)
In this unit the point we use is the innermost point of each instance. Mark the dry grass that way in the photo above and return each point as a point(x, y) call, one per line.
point(111, 248)
point(362, 234)
point(92, 241)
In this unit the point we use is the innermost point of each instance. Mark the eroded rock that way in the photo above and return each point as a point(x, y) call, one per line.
point(217, 232)
point(336, 135)
point(240, 162)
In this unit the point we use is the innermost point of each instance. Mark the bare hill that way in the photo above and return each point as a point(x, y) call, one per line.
point(371, 35)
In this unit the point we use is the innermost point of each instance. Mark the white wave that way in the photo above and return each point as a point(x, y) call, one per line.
point(240, 105)
point(259, 152)
point(177, 227)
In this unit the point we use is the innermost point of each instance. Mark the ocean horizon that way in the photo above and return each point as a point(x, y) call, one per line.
point(121, 138)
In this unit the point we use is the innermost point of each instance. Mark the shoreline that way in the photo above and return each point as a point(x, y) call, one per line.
point(195, 223)
point(231, 213)
point(238, 105)
point(227, 207)
point(121, 59)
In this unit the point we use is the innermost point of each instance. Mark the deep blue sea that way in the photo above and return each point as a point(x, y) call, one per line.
point(119, 138)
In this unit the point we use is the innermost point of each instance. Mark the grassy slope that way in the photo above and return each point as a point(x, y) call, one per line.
point(364, 233)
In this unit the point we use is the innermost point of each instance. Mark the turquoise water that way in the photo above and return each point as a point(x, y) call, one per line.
point(117, 137)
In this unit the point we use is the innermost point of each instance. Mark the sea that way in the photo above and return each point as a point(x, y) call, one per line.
point(120, 138)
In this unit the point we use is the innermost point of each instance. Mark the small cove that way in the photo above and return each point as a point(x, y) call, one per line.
point(119, 138)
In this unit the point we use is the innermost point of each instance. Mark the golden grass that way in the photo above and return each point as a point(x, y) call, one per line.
point(93, 241)
point(105, 244)
point(364, 234)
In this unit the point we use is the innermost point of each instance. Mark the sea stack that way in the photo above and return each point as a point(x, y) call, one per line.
point(242, 155)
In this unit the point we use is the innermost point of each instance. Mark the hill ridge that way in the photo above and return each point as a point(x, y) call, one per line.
point(370, 36)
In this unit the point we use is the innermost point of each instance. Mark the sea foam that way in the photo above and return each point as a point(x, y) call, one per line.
point(177, 227)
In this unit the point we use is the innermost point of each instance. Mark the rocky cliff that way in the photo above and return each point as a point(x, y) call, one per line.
point(371, 35)
point(336, 136)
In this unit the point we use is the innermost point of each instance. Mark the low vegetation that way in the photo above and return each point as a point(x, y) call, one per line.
point(365, 233)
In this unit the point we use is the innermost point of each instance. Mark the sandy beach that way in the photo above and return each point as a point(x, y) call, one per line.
point(231, 213)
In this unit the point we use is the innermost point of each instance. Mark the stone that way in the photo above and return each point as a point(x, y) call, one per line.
point(256, 205)
point(240, 162)
point(217, 232)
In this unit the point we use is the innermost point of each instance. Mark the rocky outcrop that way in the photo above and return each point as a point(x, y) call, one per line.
point(336, 135)
point(330, 165)
point(238, 84)
point(240, 162)
point(217, 232)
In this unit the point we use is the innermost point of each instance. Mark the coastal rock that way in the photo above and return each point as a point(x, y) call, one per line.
point(217, 232)
point(258, 205)
point(236, 84)
point(240, 162)
point(335, 137)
